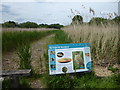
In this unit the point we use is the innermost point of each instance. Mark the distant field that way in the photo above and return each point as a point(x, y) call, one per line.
point(27, 29)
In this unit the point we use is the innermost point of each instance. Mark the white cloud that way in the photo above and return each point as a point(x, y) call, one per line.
point(60, 0)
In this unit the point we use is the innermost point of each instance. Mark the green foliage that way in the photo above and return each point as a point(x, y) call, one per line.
point(43, 25)
point(82, 80)
point(98, 21)
point(28, 25)
point(24, 83)
point(116, 20)
point(61, 37)
point(57, 26)
point(113, 69)
point(11, 40)
point(6, 84)
point(77, 19)
point(24, 54)
point(10, 24)
point(61, 81)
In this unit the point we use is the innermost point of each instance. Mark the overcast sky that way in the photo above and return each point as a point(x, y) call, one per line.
point(55, 11)
point(60, 0)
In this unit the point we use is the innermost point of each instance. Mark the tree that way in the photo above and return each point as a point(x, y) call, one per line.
point(10, 24)
point(56, 26)
point(99, 21)
point(116, 20)
point(28, 25)
point(77, 19)
point(43, 25)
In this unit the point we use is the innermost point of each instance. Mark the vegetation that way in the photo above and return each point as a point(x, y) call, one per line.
point(103, 40)
point(99, 21)
point(104, 48)
point(12, 24)
point(28, 25)
point(57, 26)
point(11, 40)
point(78, 80)
point(77, 19)
point(117, 20)
point(113, 69)
point(24, 54)
point(86, 80)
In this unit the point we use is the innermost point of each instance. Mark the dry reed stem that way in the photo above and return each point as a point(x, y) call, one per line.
point(103, 40)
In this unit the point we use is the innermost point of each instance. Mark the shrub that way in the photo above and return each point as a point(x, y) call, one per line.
point(28, 25)
point(99, 21)
point(10, 24)
point(77, 19)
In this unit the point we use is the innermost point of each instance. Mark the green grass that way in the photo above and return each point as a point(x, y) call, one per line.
point(86, 80)
point(24, 54)
point(11, 40)
point(61, 37)
point(113, 69)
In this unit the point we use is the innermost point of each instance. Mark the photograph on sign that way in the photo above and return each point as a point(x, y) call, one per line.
point(69, 58)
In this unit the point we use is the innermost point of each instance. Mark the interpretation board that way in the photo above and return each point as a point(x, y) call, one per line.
point(69, 58)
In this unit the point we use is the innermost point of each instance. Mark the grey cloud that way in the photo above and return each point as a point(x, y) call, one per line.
point(6, 9)
point(20, 19)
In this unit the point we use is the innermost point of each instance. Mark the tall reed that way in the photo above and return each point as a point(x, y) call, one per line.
point(103, 39)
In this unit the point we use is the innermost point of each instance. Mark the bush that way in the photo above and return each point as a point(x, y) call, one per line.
point(77, 19)
point(28, 25)
point(56, 26)
point(10, 24)
point(99, 21)
point(116, 20)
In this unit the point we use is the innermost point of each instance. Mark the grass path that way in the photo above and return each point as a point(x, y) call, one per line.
point(38, 49)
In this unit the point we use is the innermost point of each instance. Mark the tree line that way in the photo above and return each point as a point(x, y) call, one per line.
point(12, 24)
point(77, 19)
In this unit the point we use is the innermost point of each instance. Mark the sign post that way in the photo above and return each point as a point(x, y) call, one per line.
point(69, 58)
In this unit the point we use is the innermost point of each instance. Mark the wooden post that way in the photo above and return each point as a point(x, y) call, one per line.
point(14, 83)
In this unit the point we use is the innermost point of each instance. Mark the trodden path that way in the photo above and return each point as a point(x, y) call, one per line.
point(11, 61)
point(38, 49)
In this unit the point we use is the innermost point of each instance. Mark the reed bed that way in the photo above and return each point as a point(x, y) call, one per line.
point(103, 39)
